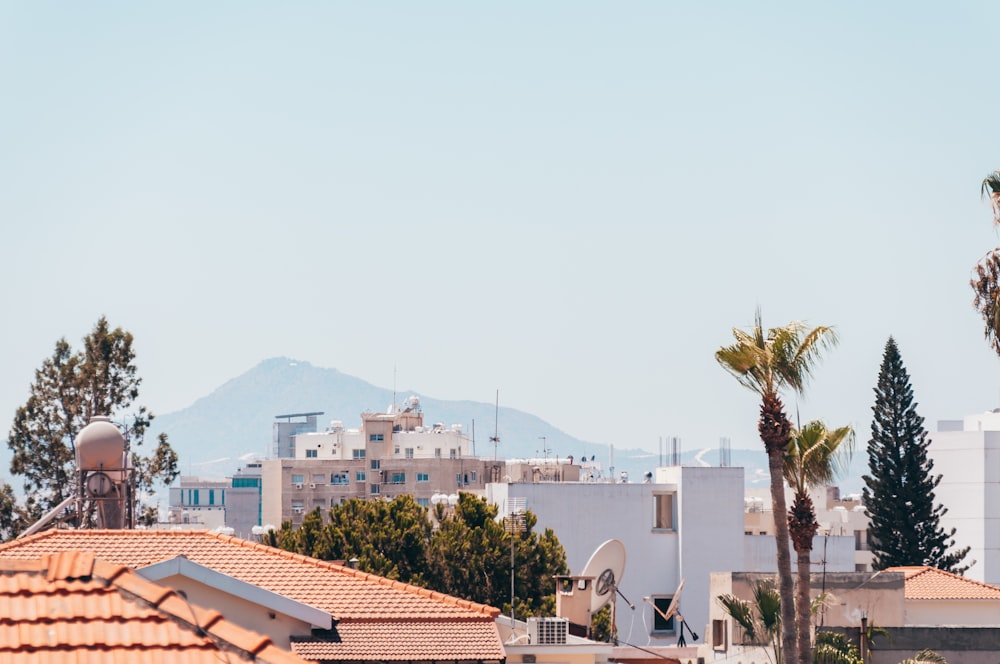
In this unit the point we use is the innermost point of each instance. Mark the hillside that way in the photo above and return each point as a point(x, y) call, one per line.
point(234, 421)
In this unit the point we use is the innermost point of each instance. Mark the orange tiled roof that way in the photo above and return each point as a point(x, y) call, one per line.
point(427, 641)
point(69, 607)
point(404, 612)
point(923, 582)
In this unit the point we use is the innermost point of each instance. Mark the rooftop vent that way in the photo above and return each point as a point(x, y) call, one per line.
point(548, 631)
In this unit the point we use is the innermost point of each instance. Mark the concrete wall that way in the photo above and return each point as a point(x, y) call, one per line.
point(969, 464)
point(760, 553)
point(958, 645)
point(953, 612)
point(707, 536)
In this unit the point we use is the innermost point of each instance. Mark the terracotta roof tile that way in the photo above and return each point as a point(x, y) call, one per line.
point(62, 607)
point(383, 618)
point(923, 582)
point(442, 640)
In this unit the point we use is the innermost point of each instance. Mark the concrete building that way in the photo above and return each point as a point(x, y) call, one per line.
point(966, 453)
point(283, 433)
point(840, 546)
point(233, 502)
point(392, 454)
point(684, 524)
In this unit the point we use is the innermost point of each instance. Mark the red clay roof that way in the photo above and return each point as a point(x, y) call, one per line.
point(923, 582)
point(69, 607)
point(395, 615)
point(426, 641)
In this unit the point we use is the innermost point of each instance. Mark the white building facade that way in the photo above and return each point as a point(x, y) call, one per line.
point(683, 525)
point(966, 453)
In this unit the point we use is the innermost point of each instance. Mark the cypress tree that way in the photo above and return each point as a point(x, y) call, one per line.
point(899, 491)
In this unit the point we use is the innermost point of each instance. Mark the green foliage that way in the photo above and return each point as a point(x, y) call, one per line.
point(600, 625)
point(759, 619)
point(468, 555)
point(835, 648)
point(69, 388)
point(925, 656)
point(899, 489)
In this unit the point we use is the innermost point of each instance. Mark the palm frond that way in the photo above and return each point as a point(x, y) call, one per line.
point(991, 190)
point(925, 656)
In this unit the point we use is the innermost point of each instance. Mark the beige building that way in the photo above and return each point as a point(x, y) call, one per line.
point(392, 454)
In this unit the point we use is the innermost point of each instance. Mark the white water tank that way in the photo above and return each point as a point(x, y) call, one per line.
point(100, 445)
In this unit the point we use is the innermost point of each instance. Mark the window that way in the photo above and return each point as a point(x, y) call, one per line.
point(375, 488)
point(298, 505)
point(409, 452)
point(298, 479)
point(861, 542)
point(437, 452)
point(358, 454)
point(424, 502)
point(458, 479)
point(211, 496)
point(312, 454)
point(340, 478)
point(474, 480)
point(395, 450)
point(659, 624)
point(399, 478)
point(376, 464)
point(423, 477)
point(376, 437)
point(359, 476)
point(452, 454)
point(718, 635)
point(663, 511)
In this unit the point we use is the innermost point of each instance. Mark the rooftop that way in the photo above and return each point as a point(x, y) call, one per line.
point(69, 606)
point(376, 618)
point(923, 582)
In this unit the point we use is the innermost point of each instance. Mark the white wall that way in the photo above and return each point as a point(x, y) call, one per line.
point(969, 464)
point(708, 536)
point(760, 554)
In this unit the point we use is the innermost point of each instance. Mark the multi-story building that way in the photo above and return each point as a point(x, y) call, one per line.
point(283, 433)
point(966, 454)
point(392, 454)
point(233, 502)
point(841, 545)
point(682, 524)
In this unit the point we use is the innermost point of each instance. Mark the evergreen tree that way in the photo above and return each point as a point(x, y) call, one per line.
point(69, 388)
point(899, 491)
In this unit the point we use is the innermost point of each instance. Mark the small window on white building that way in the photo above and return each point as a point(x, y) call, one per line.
point(312, 454)
point(452, 453)
point(409, 452)
point(358, 454)
point(661, 626)
point(437, 452)
point(663, 511)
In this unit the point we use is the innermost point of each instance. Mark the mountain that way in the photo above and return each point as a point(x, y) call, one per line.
point(234, 421)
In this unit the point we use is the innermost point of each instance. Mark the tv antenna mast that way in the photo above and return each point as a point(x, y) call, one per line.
point(495, 438)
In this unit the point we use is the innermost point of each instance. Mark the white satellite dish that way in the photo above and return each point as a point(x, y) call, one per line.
point(606, 565)
point(672, 608)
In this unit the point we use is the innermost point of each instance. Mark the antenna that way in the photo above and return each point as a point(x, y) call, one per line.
point(674, 609)
point(515, 524)
point(725, 453)
point(495, 438)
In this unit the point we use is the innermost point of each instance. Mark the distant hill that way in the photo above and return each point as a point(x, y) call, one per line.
point(234, 421)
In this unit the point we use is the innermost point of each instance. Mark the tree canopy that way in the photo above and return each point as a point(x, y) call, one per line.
point(463, 551)
point(69, 388)
point(899, 489)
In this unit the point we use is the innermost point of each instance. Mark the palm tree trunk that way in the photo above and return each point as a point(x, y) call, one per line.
point(802, 525)
point(775, 430)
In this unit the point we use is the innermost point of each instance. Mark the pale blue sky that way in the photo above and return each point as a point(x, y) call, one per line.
point(572, 202)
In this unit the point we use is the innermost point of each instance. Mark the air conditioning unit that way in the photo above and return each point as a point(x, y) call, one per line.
point(548, 631)
point(298, 485)
point(312, 485)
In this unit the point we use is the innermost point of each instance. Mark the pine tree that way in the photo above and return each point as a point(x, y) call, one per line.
point(899, 493)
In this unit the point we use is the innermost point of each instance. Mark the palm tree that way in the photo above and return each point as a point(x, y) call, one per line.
point(991, 190)
point(766, 361)
point(760, 619)
point(813, 458)
point(986, 283)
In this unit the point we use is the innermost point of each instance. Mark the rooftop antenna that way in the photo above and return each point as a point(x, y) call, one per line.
point(725, 452)
point(515, 524)
point(495, 438)
point(545, 450)
point(394, 409)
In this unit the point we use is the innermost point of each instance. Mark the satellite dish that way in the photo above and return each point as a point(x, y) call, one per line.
point(672, 608)
point(606, 565)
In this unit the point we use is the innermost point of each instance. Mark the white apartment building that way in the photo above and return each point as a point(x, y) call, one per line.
point(392, 454)
point(841, 545)
point(684, 524)
point(966, 453)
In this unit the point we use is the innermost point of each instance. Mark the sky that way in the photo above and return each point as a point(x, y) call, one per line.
point(570, 202)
